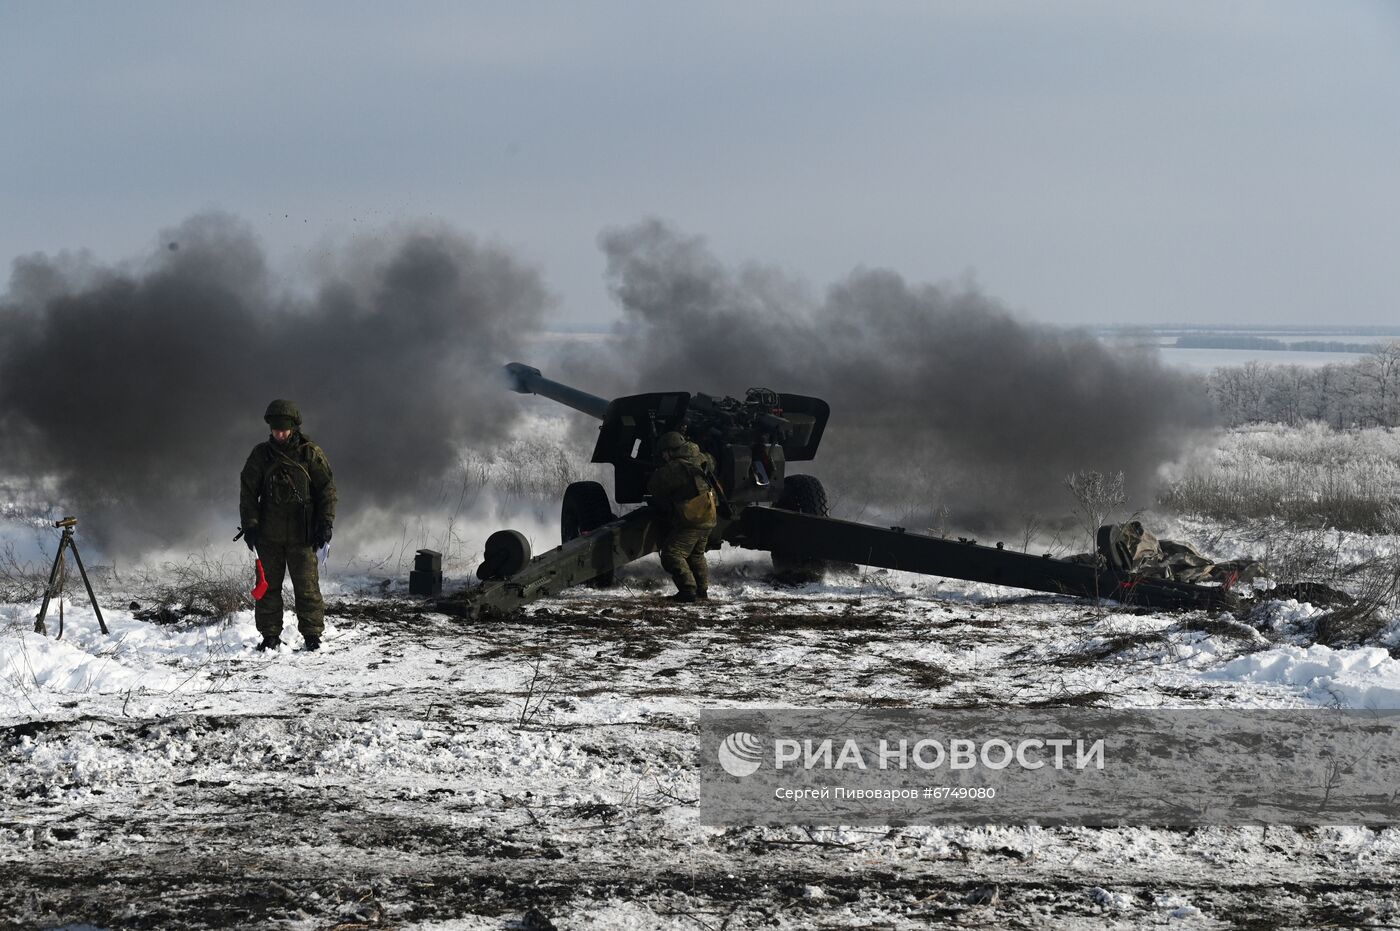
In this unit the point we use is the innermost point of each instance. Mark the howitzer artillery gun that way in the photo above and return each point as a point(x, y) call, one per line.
point(752, 442)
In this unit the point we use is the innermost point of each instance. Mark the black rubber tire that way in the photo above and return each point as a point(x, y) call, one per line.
point(586, 507)
point(506, 552)
point(805, 495)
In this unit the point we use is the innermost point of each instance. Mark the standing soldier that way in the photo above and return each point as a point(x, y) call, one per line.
point(682, 489)
point(287, 504)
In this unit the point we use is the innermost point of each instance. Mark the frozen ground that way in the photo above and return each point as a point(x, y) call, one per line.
point(425, 773)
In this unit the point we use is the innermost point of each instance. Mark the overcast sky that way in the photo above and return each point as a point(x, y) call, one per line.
point(1083, 162)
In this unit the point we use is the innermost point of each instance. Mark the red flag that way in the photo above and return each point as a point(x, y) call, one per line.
point(261, 588)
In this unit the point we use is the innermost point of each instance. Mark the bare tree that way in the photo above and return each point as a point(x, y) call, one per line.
point(1031, 526)
point(1096, 496)
point(1380, 373)
point(1365, 392)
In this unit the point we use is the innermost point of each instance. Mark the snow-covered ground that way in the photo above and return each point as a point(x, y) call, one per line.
point(422, 772)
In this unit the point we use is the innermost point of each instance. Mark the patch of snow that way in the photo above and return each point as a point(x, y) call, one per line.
point(1117, 901)
point(1365, 677)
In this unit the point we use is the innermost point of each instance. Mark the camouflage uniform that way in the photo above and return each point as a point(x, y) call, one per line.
point(684, 543)
point(287, 498)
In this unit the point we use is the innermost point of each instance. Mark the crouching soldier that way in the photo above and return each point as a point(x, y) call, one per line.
point(681, 490)
point(287, 505)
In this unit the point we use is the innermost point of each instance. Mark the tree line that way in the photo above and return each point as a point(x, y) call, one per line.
point(1364, 393)
point(1210, 341)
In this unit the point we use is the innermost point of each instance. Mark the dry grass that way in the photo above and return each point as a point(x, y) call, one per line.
point(1376, 588)
point(201, 587)
point(1308, 477)
point(19, 581)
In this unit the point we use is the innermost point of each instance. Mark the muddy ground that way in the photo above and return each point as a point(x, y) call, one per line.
point(425, 772)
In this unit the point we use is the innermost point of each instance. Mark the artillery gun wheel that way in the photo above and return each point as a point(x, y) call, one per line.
point(586, 508)
point(805, 495)
point(506, 553)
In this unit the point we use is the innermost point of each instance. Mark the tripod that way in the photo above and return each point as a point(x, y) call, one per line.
point(56, 577)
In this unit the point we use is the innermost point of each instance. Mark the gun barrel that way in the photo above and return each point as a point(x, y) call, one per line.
point(526, 379)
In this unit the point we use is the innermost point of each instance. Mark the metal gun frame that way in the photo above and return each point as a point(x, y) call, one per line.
point(512, 578)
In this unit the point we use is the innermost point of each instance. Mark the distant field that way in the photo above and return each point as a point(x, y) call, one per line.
point(1211, 347)
point(1207, 359)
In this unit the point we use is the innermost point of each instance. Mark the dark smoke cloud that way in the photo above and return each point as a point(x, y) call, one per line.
point(136, 391)
point(140, 389)
point(939, 395)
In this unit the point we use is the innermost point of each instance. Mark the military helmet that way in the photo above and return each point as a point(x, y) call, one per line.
point(282, 410)
point(671, 442)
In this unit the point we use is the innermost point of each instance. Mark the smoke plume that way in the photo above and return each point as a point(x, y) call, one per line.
point(139, 389)
point(134, 392)
point(940, 397)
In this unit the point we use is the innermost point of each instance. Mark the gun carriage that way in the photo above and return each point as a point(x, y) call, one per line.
point(762, 507)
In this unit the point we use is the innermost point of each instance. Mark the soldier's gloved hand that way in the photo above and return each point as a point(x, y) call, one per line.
point(322, 536)
point(250, 537)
